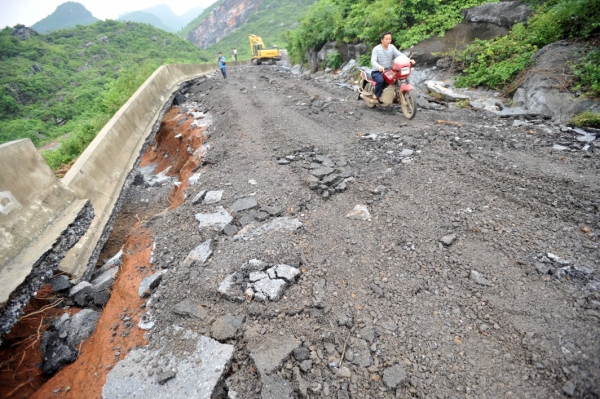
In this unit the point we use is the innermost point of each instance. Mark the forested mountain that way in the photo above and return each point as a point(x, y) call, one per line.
point(66, 15)
point(73, 80)
point(146, 18)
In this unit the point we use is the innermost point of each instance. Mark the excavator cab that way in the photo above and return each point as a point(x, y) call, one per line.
point(261, 53)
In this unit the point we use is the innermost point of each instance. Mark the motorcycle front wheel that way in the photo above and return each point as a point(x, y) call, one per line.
point(409, 105)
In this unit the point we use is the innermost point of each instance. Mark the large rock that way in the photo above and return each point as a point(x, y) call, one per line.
point(192, 378)
point(541, 89)
point(484, 22)
point(312, 55)
point(503, 13)
point(352, 51)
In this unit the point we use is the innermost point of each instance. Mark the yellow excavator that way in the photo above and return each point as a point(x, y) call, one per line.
point(261, 53)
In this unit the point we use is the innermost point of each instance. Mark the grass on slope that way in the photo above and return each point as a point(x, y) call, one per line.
point(72, 81)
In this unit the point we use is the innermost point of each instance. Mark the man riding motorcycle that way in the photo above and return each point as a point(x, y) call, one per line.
point(382, 59)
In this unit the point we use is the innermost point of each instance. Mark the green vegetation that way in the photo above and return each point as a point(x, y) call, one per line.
point(587, 119)
point(496, 63)
point(271, 21)
point(66, 15)
point(350, 21)
point(71, 82)
point(587, 73)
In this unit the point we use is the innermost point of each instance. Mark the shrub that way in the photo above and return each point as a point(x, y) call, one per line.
point(587, 119)
point(334, 61)
point(587, 73)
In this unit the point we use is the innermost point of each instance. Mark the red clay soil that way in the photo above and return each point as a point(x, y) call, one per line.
point(20, 354)
point(86, 377)
point(181, 161)
point(20, 350)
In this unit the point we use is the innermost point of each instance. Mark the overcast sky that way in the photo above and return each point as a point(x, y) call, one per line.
point(28, 12)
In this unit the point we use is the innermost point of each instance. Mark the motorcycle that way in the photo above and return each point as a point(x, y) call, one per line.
point(397, 88)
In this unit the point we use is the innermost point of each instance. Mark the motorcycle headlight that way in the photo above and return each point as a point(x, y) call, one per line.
point(405, 71)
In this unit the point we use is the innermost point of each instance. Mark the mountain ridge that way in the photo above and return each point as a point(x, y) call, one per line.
point(66, 15)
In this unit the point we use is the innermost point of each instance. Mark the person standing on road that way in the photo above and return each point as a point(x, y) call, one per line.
point(222, 64)
point(234, 54)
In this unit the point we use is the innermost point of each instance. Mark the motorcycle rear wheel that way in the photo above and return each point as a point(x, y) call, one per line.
point(409, 105)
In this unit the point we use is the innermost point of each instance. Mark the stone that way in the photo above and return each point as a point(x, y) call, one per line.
point(198, 255)
point(478, 278)
point(244, 204)
point(367, 333)
point(149, 283)
point(198, 197)
point(275, 387)
point(406, 153)
point(301, 353)
point(247, 218)
point(269, 353)
point(254, 265)
point(271, 289)
point(55, 353)
point(306, 365)
point(322, 172)
point(255, 276)
point(394, 376)
point(217, 220)
point(448, 240)
point(193, 179)
point(194, 380)
point(230, 288)
point(504, 14)
point(82, 287)
point(212, 197)
point(187, 308)
point(569, 388)
point(101, 297)
point(361, 354)
point(344, 372)
point(230, 230)
point(288, 273)
point(377, 290)
point(105, 280)
point(285, 223)
point(543, 268)
point(82, 325)
point(440, 88)
point(345, 320)
point(226, 327)
point(360, 212)
point(319, 293)
point(60, 283)
point(332, 180)
point(162, 378)
point(272, 210)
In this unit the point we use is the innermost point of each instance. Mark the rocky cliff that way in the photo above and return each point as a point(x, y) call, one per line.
point(225, 18)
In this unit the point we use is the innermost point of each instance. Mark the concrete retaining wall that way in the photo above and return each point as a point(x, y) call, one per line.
point(100, 172)
point(35, 210)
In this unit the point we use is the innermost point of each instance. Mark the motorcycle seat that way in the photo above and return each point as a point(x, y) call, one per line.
point(367, 71)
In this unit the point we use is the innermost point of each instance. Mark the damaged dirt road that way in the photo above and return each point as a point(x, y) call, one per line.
point(470, 271)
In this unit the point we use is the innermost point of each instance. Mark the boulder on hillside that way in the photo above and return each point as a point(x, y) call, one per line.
point(543, 89)
point(504, 13)
point(484, 22)
point(22, 32)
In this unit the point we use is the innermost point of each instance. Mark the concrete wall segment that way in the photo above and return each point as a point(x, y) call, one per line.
point(45, 209)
